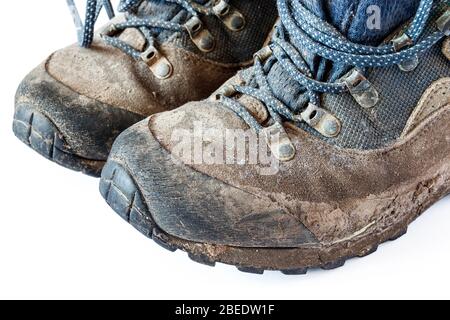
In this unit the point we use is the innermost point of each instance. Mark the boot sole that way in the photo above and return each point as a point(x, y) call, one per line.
point(40, 134)
point(122, 194)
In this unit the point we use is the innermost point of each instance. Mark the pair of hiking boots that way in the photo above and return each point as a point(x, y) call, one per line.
point(320, 146)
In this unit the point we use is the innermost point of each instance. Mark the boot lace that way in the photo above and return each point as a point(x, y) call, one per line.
point(307, 32)
point(148, 26)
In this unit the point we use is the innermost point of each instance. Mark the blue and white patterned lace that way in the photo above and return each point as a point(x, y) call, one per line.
point(146, 25)
point(85, 31)
point(307, 32)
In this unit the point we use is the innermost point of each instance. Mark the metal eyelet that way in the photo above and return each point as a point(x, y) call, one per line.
point(158, 63)
point(263, 54)
point(224, 91)
point(230, 16)
point(361, 89)
point(201, 37)
point(401, 42)
point(110, 28)
point(321, 120)
point(443, 23)
point(279, 142)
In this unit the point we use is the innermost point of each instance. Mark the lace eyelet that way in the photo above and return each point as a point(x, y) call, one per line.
point(263, 54)
point(443, 23)
point(321, 120)
point(230, 16)
point(201, 37)
point(158, 63)
point(224, 91)
point(279, 142)
point(401, 42)
point(361, 89)
point(110, 28)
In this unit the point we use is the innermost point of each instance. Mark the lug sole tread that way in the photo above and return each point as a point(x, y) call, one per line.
point(124, 197)
point(39, 133)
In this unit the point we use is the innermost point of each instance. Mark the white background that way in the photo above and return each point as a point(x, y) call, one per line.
point(58, 238)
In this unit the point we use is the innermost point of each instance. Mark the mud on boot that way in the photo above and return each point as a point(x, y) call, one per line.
point(154, 57)
point(357, 121)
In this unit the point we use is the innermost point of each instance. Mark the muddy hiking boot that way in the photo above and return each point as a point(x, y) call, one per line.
point(348, 113)
point(155, 56)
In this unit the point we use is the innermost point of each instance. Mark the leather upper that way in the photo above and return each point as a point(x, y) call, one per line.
point(325, 186)
point(107, 74)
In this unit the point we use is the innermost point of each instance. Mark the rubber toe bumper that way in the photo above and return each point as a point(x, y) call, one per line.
point(193, 206)
point(64, 126)
point(39, 133)
point(180, 208)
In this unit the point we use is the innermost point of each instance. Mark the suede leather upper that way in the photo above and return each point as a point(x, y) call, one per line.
point(117, 85)
point(325, 194)
point(318, 173)
point(383, 165)
point(89, 125)
point(107, 74)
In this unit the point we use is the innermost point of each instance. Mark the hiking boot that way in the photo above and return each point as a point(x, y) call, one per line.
point(346, 117)
point(155, 56)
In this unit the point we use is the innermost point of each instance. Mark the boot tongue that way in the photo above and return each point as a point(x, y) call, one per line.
point(366, 22)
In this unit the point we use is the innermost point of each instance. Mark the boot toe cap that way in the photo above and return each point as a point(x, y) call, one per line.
point(189, 205)
point(85, 126)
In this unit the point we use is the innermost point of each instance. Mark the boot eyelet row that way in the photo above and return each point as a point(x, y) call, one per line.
point(160, 65)
point(201, 37)
point(317, 118)
point(359, 87)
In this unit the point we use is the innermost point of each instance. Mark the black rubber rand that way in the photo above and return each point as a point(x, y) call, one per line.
point(122, 194)
point(40, 134)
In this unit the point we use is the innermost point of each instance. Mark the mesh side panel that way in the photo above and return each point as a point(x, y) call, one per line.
point(369, 129)
point(400, 93)
point(235, 47)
